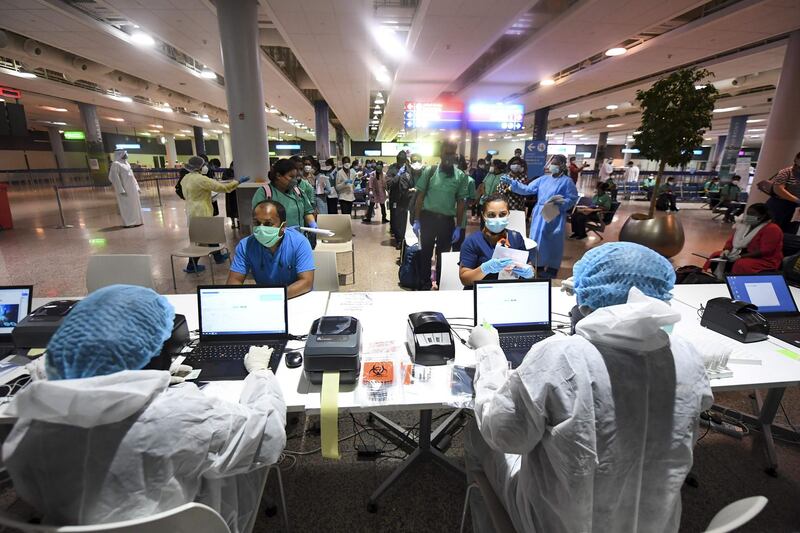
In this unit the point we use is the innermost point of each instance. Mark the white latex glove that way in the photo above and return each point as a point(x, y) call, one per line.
point(557, 199)
point(483, 335)
point(257, 358)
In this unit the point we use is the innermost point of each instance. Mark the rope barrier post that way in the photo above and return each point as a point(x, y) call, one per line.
point(158, 191)
point(63, 225)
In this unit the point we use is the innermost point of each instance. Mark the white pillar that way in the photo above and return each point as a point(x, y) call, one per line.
point(224, 141)
point(172, 152)
point(238, 31)
point(57, 146)
point(781, 140)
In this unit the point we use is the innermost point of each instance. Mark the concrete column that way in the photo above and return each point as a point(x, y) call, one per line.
point(57, 146)
point(238, 30)
point(627, 155)
point(473, 145)
point(172, 152)
point(600, 154)
point(321, 131)
point(224, 140)
point(95, 152)
point(199, 140)
point(733, 144)
point(339, 142)
point(540, 124)
point(462, 139)
point(781, 140)
point(718, 149)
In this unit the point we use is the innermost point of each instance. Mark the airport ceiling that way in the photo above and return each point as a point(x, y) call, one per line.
point(352, 53)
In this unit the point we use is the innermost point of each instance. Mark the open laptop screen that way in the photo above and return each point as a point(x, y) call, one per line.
point(15, 304)
point(248, 311)
point(514, 305)
point(767, 292)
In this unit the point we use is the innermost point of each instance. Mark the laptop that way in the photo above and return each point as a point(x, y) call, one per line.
point(772, 296)
point(234, 318)
point(518, 309)
point(15, 304)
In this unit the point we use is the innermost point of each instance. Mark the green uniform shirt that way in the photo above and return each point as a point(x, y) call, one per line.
point(603, 202)
point(665, 187)
point(710, 186)
point(490, 183)
point(297, 206)
point(729, 193)
point(470, 197)
point(308, 191)
point(442, 191)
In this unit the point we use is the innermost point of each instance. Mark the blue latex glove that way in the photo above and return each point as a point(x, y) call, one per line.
point(456, 235)
point(506, 179)
point(415, 228)
point(313, 224)
point(494, 266)
point(242, 179)
point(525, 272)
point(348, 182)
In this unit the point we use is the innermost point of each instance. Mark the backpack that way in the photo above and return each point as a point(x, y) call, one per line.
point(765, 186)
point(693, 275)
point(409, 274)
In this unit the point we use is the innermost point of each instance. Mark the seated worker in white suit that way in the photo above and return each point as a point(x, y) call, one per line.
point(102, 441)
point(593, 432)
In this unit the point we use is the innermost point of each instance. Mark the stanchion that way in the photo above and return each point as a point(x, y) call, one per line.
point(63, 225)
point(158, 191)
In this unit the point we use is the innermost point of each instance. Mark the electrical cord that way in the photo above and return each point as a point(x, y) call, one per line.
point(786, 416)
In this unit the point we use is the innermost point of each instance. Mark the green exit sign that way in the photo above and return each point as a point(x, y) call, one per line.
point(74, 136)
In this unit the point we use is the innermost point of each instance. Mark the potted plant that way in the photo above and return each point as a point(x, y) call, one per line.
point(676, 111)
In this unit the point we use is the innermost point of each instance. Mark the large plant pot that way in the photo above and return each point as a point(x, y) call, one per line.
point(662, 233)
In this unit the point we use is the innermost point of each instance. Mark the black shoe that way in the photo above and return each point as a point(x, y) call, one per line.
point(366, 221)
point(384, 221)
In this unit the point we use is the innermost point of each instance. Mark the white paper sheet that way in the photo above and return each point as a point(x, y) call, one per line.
point(519, 257)
point(550, 211)
point(323, 232)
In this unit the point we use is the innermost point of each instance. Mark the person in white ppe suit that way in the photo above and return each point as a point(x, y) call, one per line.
point(593, 432)
point(102, 441)
point(127, 190)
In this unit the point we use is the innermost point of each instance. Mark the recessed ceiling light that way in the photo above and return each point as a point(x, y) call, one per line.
point(51, 108)
point(165, 108)
point(380, 100)
point(378, 112)
point(115, 119)
point(208, 74)
point(389, 41)
point(121, 98)
point(547, 82)
point(144, 133)
point(727, 109)
point(755, 120)
point(612, 106)
point(637, 132)
point(575, 131)
point(573, 115)
point(613, 125)
point(216, 131)
point(616, 51)
point(751, 136)
point(158, 126)
point(140, 38)
point(186, 131)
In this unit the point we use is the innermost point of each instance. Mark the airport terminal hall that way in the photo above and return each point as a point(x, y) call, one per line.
point(513, 266)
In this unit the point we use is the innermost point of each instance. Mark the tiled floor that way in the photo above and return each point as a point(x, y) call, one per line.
point(54, 260)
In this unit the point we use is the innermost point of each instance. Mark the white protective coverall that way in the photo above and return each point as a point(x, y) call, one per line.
point(575, 440)
point(125, 445)
point(127, 190)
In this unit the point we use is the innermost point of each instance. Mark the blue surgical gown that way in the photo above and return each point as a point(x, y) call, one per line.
point(549, 235)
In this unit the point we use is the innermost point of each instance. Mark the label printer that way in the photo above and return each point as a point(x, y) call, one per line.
point(429, 338)
point(333, 345)
point(740, 321)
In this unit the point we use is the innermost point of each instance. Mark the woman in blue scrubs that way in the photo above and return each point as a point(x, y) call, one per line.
point(556, 188)
point(476, 253)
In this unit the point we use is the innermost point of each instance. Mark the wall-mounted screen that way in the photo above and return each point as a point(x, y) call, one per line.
point(446, 114)
point(495, 116)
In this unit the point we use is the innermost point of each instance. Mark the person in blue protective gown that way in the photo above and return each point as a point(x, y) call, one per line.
point(557, 189)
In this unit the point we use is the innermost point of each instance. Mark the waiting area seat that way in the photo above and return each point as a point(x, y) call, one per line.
point(342, 239)
point(127, 269)
point(207, 236)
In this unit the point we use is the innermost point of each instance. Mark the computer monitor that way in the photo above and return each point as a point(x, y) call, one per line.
point(15, 304)
point(242, 313)
point(513, 305)
point(768, 292)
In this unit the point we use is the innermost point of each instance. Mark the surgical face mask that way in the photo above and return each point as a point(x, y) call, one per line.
point(267, 235)
point(668, 328)
point(750, 220)
point(204, 170)
point(416, 166)
point(491, 170)
point(307, 169)
point(326, 168)
point(554, 169)
point(515, 168)
point(347, 166)
point(496, 225)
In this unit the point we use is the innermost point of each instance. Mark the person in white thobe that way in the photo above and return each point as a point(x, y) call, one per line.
point(127, 190)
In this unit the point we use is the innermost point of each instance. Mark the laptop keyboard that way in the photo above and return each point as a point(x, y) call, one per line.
point(217, 352)
point(522, 341)
point(784, 325)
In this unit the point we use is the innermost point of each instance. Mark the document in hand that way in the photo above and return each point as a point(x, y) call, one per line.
point(550, 210)
point(519, 257)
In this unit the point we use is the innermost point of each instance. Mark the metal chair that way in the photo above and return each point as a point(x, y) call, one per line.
point(341, 241)
point(450, 281)
point(202, 231)
point(736, 514)
point(608, 217)
point(326, 273)
point(127, 269)
point(187, 518)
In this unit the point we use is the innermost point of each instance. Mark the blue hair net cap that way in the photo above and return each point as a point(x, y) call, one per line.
point(605, 275)
point(119, 327)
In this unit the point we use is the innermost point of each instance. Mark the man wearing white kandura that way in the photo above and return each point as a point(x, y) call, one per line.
point(102, 440)
point(127, 190)
point(593, 432)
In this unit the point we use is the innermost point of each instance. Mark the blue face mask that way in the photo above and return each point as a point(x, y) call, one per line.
point(668, 328)
point(496, 225)
point(555, 169)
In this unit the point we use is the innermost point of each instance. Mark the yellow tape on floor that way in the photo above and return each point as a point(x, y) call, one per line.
point(329, 415)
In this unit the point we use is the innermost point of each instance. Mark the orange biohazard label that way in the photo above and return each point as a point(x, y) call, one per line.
point(380, 371)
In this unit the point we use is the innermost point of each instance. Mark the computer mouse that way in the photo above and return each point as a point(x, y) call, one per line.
point(293, 359)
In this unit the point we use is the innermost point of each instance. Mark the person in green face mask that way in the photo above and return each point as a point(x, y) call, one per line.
point(273, 254)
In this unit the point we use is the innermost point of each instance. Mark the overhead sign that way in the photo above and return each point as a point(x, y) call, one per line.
point(372, 153)
point(495, 116)
point(563, 149)
point(536, 157)
point(287, 146)
point(8, 92)
point(74, 136)
point(128, 146)
point(445, 114)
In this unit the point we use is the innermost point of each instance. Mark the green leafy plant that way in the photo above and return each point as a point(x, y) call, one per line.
point(675, 113)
